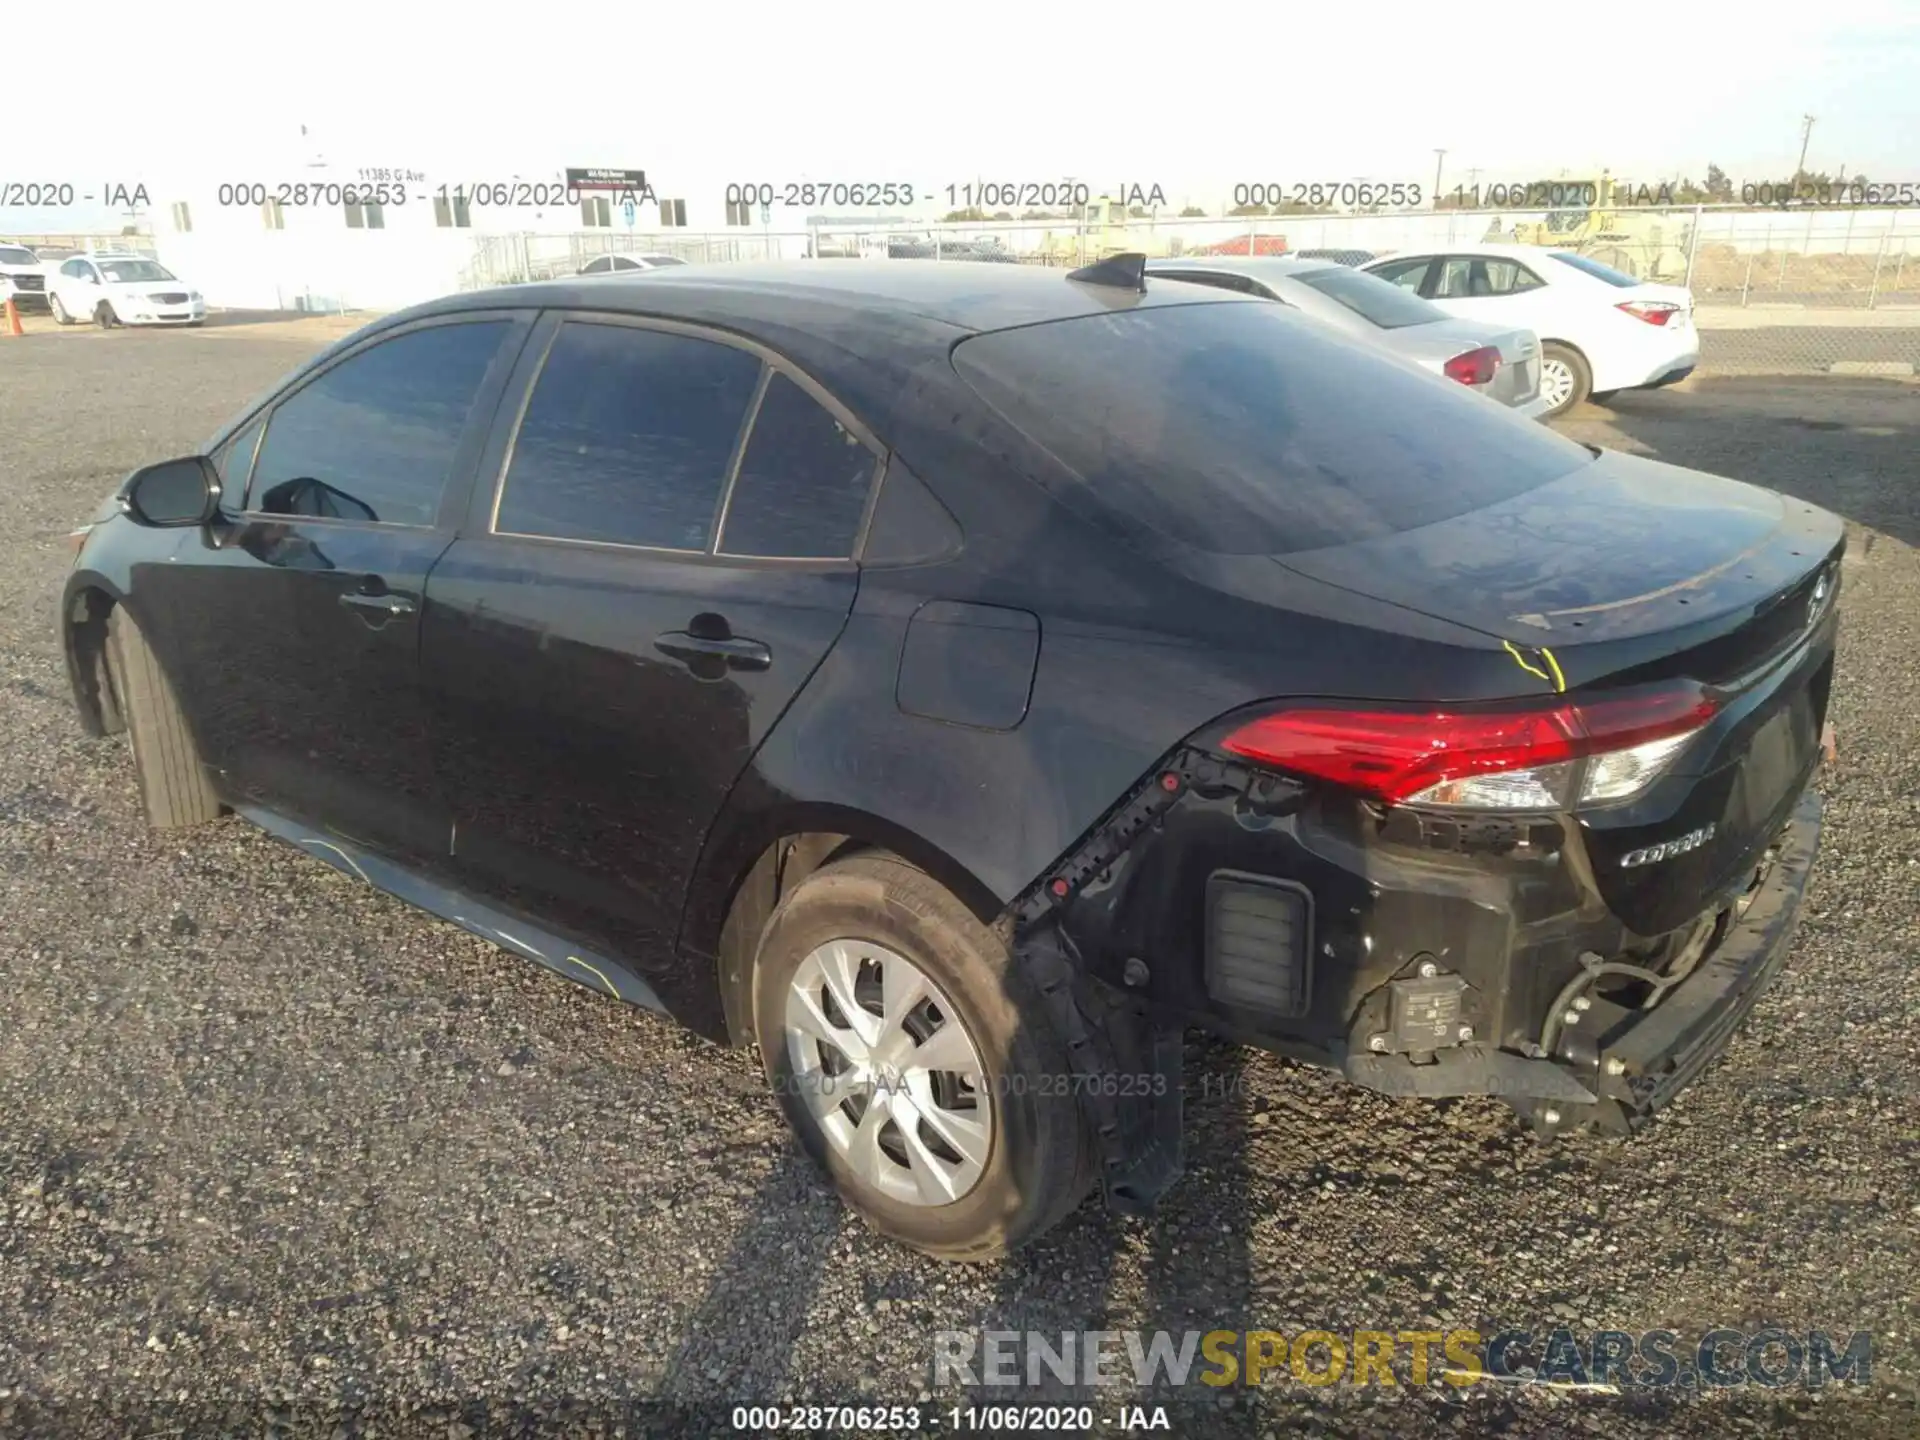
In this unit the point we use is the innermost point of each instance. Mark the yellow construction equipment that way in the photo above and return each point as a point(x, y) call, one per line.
point(1644, 242)
point(1102, 229)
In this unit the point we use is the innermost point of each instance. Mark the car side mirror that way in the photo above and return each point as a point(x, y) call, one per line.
point(173, 493)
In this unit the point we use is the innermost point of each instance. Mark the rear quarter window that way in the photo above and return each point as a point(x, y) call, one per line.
point(1245, 429)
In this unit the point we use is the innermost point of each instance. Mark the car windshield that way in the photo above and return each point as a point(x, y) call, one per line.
point(1244, 429)
point(1587, 265)
point(1385, 304)
point(134, 271)
point(14, 255)
point(663, 260)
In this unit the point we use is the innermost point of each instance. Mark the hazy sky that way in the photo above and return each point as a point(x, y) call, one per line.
point(932, 94)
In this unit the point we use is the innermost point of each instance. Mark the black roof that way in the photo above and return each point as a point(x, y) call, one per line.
point(947, 298)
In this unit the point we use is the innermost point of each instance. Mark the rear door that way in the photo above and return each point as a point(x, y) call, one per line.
point(298, 621)
point(659, 557)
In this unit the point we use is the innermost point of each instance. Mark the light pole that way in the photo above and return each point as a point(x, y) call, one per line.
point(1806, 134)
point(1439, 159)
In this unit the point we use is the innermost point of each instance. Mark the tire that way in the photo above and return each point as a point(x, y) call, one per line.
point(174, 789)
point(58, 311)
point(1038, 1162)
point(1578, 378)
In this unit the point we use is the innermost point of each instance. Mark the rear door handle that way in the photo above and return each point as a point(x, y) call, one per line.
point(387, 604)
point(738, 654)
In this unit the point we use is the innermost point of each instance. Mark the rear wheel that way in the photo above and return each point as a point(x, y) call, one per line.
point(58, 311)
point(912, 1060)
point(174, 790)
point(1565, 379)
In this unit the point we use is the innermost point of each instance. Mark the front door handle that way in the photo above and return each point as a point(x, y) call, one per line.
point(386, 604)
point(735, 654)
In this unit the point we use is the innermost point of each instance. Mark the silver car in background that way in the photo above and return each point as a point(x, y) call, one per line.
point(1496, 361)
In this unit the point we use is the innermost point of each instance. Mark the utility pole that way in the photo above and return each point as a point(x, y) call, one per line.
point(1439, 159)
point(1806, 134)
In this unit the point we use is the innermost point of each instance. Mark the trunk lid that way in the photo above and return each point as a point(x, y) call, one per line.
point(1619, 550)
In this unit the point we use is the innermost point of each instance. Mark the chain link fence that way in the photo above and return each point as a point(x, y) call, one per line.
point(1775, 291)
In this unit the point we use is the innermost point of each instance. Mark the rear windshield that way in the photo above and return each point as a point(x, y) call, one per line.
point(1387, 305)
point(1243, 428)
point(1586, 264)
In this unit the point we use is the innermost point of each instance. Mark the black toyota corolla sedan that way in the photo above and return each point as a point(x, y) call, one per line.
point(960, 680)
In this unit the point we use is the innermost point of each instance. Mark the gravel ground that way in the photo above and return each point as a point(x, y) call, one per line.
point(274, 1144)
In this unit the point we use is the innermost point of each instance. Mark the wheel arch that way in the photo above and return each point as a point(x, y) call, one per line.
point(743, 879)
point(89, 600)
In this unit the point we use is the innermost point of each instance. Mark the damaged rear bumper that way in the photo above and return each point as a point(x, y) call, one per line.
point(1614, 1068)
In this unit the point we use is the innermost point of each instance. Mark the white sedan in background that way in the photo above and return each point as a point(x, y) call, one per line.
point(1499, 361)
point(1601, 331)
point(113, 289)
point(626, 264)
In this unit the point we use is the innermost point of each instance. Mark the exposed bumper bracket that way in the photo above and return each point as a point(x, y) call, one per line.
point(1622, 1066)
point(1664, 1049)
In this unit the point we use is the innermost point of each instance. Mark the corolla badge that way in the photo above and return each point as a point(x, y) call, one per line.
point(1667, 849)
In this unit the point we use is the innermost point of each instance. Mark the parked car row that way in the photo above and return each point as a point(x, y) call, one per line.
point(105, 287)
point(1535, 328)
point(1601, 330)
point(1502, 363)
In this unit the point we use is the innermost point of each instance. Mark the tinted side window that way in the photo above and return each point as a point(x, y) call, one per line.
point(803, 482)
point(627, 438)
point(234, 462)
point(374, 437)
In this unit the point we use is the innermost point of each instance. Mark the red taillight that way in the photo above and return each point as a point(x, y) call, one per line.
point(1398, 755)
point(1476, 367)
point(1654, 312)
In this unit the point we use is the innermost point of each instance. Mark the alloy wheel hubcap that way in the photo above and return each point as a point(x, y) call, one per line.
point(891, 1076)
point(1556, 382)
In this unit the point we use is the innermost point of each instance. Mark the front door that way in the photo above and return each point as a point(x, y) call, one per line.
point(665, 561)
point(313, 706)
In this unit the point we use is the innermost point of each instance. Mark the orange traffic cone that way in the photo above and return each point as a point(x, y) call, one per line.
point(13, 318)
